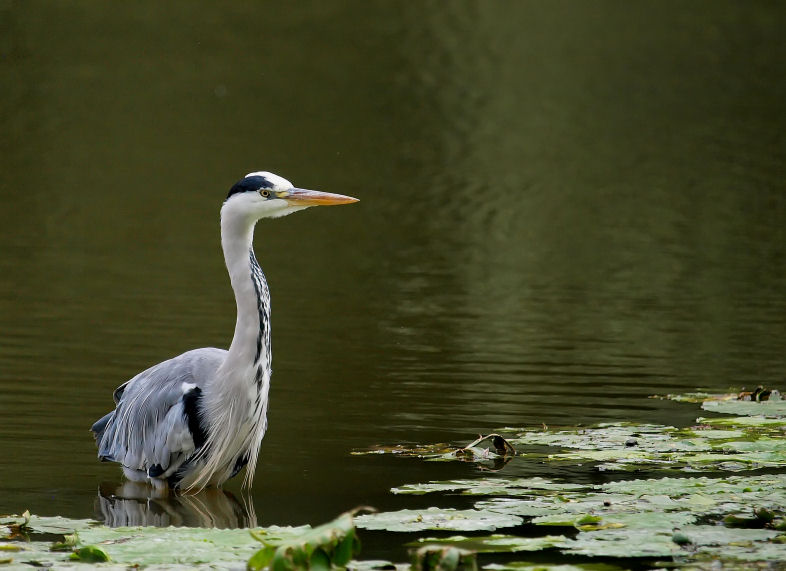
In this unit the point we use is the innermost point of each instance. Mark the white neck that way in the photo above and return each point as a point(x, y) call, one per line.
point(236, 396)
point(251, 342)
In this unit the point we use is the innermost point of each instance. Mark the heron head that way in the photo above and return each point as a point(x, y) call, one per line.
point(267, 195)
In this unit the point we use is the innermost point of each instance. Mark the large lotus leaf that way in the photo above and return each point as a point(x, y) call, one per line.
point(774, 446)
point(436, 518)
point(179, 545)
point(713, 434)
point(530, 566)
point(676, 487)
point(44, 524)
point(30, 554)
point(694, 540)
point(496, 543)
point(633, 456)
point(760, 421)
point(625, 542)
point(769, 408)
point(652, 520)
point(599, 437)
point(489, 486)
point(735, 462)
point(735, 553)
point(572, 506)
point(718, 535)
point(24, 547)
point(532, 507)
point(377, 565)
point(331, 544)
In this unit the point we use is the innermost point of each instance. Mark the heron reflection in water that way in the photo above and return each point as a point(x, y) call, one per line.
point(197, 419)
point(132, 504)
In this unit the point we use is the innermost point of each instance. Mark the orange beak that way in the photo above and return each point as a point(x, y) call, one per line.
point(303, 197)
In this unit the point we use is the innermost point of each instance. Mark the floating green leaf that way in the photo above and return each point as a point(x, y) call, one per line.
point(443, 558)
point(90, 554)
point(497, 543)
point(26, 524)
point(770, 408)
point(376, 565)
point(436, 518)
point(749, 423)
point(530, 566)
point(488, 486)
point(332, 544)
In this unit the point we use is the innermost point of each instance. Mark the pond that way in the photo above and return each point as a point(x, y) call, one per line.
point(564, 209)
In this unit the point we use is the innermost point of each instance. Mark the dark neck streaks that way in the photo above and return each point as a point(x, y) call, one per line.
point(262, 293)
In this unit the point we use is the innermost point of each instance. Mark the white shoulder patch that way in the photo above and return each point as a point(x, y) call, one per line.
point(187, 387)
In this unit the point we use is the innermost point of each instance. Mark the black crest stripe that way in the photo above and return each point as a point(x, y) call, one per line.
point(250, 184)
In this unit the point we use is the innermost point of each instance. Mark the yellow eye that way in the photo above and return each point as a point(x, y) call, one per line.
point(264, 193)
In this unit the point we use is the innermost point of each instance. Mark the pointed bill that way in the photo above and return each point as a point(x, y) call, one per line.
point(303, 197)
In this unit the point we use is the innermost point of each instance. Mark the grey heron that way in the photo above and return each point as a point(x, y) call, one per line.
point(197, 419)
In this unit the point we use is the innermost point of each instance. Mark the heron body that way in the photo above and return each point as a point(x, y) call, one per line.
point(197, 419)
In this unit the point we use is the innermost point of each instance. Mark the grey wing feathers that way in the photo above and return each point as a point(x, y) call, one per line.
point(150, 430)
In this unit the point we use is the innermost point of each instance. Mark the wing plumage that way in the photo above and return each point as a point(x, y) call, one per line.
point(156, 425)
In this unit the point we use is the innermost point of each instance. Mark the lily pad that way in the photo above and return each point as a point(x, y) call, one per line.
point(436, 518)
point(770, 408)
point(665, 520)
point(174, 545)
point(530, 566)
point(330, 545)
point(376, 565)
point(703, 539)
point(90, 554)
point(488, 486)
point(746, 422)
point(444, 558)
point(497, 543)
point(27, 523)
point(625, 542)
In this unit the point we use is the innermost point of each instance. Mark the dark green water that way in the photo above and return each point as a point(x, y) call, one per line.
point(565, 207)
